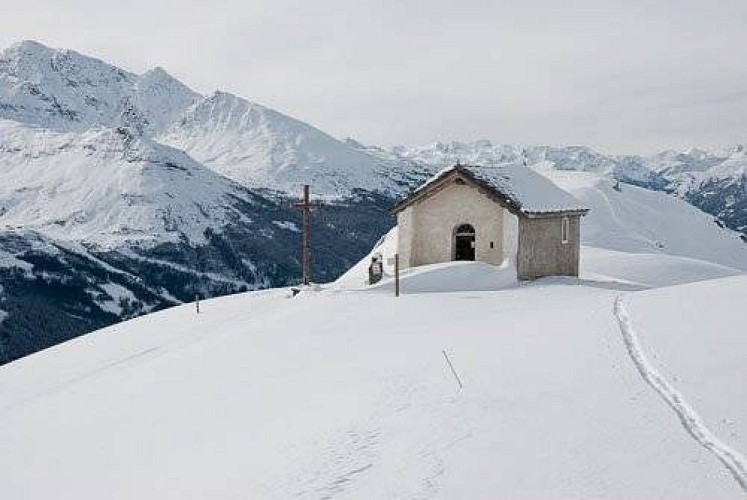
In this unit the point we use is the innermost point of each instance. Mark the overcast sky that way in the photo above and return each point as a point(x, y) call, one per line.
point(620, 76)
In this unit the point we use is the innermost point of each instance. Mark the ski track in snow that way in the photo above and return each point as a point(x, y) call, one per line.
point(691, 421)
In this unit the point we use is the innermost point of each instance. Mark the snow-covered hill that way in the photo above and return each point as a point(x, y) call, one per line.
point(640, 221)
point(572, 389)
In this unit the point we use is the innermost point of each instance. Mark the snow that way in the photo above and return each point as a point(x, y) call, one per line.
point(67, 91)
point(636, 220)
point(612, 385)
point(647, 270)
point(286, 224)
point(443, 277)
point(239, 401)
point(530, 191)
point(699, 349)
point(521, 186)
point(117, 294)
point(691, 421)
point(259, 147)
point(106, 188)
point(9, 260)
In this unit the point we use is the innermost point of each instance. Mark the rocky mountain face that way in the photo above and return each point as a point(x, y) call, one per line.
point(123, 193)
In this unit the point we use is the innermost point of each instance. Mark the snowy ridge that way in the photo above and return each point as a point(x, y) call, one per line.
point(107, 187)
point(712, 180)
point(259, 147)
point(67, 91)
point(691, 421)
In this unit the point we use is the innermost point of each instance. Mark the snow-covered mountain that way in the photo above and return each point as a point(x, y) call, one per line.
point(258, 147)
point(261, 148)
point(67, 91)
point(106, 187)
point(106, 174)
point(713, 181)
point(722, 189)
point(111, 179)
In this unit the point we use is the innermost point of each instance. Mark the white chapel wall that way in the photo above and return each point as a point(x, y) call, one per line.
point(434, 219)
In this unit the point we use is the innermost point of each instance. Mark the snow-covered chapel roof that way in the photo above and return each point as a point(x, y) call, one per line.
point(517, 187)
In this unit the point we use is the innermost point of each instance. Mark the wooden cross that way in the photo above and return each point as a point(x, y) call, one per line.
point(306, 207)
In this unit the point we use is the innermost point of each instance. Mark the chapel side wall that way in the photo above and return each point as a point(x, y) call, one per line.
point(510, 238)
point(541, 251)
point(435, 218)
point(405, 234)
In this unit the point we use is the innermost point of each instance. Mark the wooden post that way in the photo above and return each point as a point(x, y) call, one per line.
point(396, 275)
point(306, 207)
point(459, 381)
point(197, 303)
point(306, 236)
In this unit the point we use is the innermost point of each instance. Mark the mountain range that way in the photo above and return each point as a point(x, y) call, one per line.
point(123, 193)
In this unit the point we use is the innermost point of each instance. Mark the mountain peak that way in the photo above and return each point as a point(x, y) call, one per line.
point(159, 75)
point(28, 46)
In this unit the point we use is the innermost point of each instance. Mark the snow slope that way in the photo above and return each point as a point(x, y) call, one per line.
point(65, 91)
point(700, 349)
point(345, 392)
point(239, 402)
point(105, 187)
point(636, 220)
point(259, 147)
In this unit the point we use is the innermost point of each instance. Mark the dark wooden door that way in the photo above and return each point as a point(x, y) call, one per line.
point(464, 243)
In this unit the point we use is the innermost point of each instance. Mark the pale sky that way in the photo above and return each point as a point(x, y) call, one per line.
point(620, 76)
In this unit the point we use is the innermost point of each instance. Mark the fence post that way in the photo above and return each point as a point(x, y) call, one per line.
point(197, 303)
point(396, 275)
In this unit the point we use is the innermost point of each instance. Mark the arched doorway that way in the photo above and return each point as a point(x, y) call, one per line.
point(464, 242)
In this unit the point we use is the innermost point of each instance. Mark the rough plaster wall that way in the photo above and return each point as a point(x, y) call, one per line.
point(510, 237)
point(436, 217)
point(405, 235)
point(541, 251)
